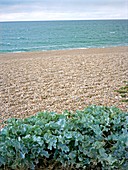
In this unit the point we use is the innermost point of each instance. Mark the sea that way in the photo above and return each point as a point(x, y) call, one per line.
point(60, 35)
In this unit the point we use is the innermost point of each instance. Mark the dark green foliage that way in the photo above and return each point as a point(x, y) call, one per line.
point(96, 137)
point(123, 91)
point(125, 100)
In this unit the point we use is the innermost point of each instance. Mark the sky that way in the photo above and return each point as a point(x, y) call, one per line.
point(36, 10)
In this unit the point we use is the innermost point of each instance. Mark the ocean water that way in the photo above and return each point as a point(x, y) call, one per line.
point(59, 35)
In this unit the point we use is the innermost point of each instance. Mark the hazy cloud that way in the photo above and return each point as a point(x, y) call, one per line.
point(62, 9)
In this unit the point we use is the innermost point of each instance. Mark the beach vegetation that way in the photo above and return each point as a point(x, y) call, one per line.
point(123, 91)
point(94, 138)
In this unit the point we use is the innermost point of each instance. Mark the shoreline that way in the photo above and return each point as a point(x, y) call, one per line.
point(68, 49)
point(61, 80)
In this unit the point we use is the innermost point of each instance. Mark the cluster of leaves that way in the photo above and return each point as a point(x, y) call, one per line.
point(123, 91)
point(96, 137)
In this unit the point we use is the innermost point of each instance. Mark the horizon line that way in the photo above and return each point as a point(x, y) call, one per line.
point(66, 20)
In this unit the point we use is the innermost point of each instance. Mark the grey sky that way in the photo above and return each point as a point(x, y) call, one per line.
point(13, 10)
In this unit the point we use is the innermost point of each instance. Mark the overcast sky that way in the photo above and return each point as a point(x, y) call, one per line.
point(29, 10)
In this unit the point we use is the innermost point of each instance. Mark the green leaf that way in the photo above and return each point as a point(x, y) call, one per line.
point(72, 154)
point(44, 153)
point(63, 147)
point(111, 160)
point(2, 161)
point(102, 153)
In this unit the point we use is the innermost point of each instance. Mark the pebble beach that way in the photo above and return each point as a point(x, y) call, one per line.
point(61, 80)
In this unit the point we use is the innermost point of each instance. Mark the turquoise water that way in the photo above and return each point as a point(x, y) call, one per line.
point(56, 35)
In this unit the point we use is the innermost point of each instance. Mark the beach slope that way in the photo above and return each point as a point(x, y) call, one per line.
point(61, 80)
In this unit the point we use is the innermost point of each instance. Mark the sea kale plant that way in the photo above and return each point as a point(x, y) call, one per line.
point(95, 138)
